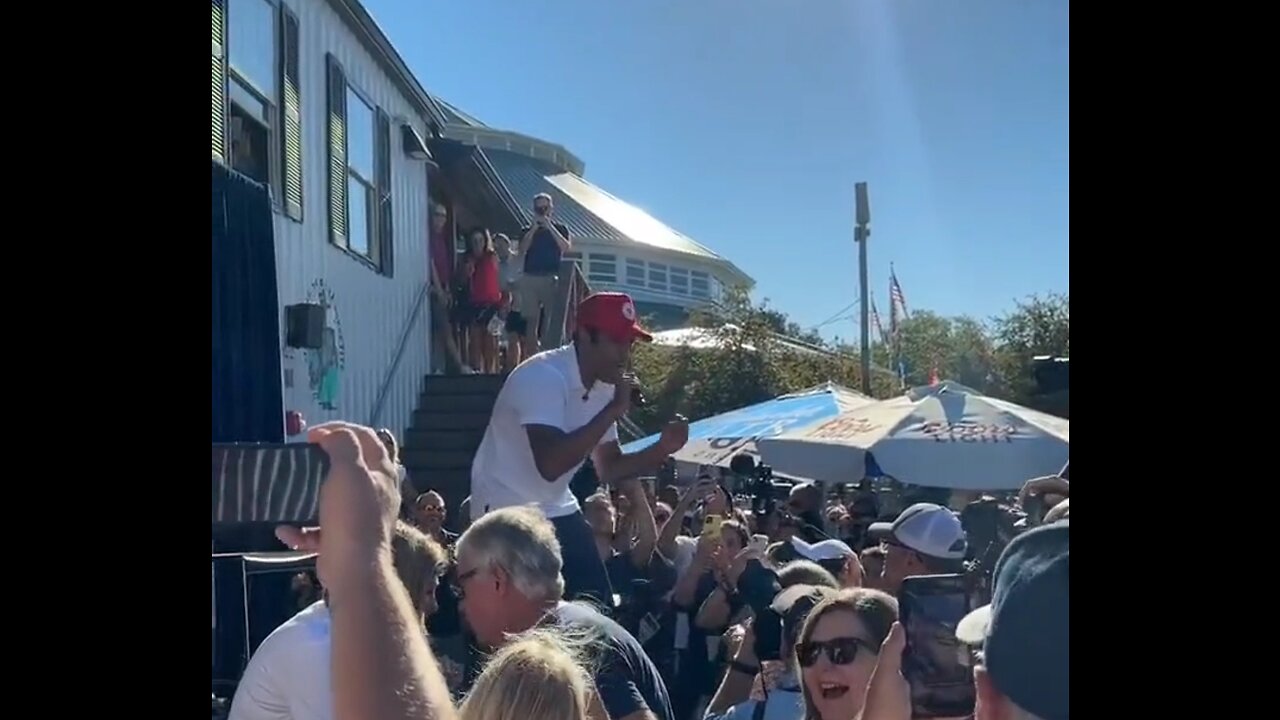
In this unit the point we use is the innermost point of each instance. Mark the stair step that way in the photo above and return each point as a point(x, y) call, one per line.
point(429, 459)
point(443, 439)
point(445, 420)
point(473, 403)
point(463, 384)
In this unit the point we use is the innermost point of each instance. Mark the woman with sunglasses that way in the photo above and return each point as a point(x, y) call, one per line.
point(837, 648)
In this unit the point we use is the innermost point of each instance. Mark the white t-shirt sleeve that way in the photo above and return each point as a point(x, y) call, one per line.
point(536, 395)
point(259, 696)
point(611, 434)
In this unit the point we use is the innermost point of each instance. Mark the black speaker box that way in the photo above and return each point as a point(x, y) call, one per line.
point(304, 325)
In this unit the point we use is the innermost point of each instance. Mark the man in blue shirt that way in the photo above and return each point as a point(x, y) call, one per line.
point(543, 243)
point(509, 580)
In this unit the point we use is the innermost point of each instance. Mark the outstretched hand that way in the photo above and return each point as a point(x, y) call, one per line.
point(359, 501)
point(674, 435)
point(888, 694)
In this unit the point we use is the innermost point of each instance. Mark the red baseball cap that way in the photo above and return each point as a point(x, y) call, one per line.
point(613, 314)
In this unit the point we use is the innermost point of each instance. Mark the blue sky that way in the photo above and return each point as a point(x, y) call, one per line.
point(745, 124)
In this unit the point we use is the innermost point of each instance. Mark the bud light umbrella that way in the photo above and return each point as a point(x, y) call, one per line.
point(715, 440)
point(945, 436)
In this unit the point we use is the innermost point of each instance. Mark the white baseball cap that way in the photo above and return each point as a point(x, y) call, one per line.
point(829, 549)
point(926, 528)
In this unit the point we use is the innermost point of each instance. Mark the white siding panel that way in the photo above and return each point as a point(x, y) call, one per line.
point(368, 312)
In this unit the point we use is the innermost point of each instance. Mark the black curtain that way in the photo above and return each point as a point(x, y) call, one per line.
point(247, 395)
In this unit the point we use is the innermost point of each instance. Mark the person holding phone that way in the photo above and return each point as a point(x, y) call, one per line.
point(544, 243)
point(925, 539)
point(1024, 668)
point(556, 409)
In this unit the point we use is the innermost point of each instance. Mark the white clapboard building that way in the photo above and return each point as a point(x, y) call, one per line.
point(311, 101)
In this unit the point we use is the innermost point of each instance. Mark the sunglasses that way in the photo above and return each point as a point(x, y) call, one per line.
point(840, 651)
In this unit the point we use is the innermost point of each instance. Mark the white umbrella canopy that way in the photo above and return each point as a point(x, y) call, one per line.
point(944, 436)
point(715, 440)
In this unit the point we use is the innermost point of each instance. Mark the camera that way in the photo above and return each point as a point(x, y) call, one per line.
point(755, 480)
point(989, 525)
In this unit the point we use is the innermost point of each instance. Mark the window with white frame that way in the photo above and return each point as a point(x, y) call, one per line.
point(602, 268)
point(257, 99)
point(657, 277)
point(700, 284)
point(679, 281)
point(635, 272)
point(361, 196)
point(576, 257)
point(252, 88)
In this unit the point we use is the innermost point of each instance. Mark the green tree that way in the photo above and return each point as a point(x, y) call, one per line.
point(958, 348)
point(1036, 326)
point(746, 364)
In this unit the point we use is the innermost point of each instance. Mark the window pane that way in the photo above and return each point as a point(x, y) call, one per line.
point(251, 43)
point(357, 216)
point(680, 281)
point(657, 276)
point(635, 272)
point(248, 102)
point(359, 135)
point(700, 285)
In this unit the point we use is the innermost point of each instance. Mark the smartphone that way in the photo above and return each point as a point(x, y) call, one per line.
point(759, 542)
point(1033, 506)
point(711, 526)
point(267, 483)
point(937, 666)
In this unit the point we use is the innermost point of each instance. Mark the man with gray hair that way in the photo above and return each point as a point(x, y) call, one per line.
point(508, 581)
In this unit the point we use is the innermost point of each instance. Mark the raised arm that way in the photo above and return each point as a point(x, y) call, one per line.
point(555, 450)
point(381, 665)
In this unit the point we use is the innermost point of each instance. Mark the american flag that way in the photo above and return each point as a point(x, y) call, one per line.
point(875, 318)
point(895, 294)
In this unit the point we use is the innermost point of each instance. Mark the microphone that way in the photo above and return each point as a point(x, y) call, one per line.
point(637, 396)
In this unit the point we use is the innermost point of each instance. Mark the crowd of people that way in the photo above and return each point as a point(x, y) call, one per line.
point(493, 299)
point(639, 601)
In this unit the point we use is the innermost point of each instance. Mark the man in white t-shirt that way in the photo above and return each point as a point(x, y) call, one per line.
point(288, 676)
point(556, 409)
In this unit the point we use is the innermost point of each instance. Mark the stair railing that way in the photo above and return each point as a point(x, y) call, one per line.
point(571, 288)
point(405, 332)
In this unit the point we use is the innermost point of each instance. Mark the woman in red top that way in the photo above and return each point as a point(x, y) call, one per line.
point(484, 300)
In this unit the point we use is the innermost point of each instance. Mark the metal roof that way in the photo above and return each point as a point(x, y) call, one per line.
point(454, 116)
point(589, 211)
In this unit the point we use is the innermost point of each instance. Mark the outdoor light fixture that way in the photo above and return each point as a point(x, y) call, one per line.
point(414, 146)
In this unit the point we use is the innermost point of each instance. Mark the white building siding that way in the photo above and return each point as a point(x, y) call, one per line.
point(368, 312)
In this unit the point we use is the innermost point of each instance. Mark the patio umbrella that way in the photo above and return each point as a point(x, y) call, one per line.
point(715, 440)
point(945, 435)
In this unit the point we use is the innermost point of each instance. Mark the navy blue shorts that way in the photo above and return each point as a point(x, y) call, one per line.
point(584, 572)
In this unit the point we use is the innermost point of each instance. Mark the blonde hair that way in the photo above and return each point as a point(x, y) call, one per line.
point(417, 559)
point(538, 675)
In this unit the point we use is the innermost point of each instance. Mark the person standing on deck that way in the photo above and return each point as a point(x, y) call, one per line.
point(543, 244)
point(556, 409)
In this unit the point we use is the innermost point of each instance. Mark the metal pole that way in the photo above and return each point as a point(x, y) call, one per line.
point(860, 234)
